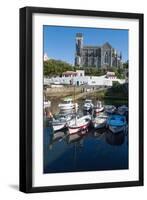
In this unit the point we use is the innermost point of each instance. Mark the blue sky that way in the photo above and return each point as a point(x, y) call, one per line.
point(59, 42)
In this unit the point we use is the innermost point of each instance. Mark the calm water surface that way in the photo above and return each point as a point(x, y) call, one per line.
point(97, 150)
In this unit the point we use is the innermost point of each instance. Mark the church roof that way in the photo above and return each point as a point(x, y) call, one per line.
point(107, 45)
point(69, 73)
point(91, 47)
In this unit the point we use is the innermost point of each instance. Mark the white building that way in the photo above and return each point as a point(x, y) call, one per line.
point(78, 78)
point(111, 75)
point(45, 58)
point(78, 73)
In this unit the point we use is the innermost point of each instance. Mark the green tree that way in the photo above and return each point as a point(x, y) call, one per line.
point(126, 65)
point(55, 67)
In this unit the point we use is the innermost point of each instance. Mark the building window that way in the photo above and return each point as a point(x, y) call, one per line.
point(106, 58)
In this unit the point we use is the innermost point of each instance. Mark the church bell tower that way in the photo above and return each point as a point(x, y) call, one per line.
point(79, 46)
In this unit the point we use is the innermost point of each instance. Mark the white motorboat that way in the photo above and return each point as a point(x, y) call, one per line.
point(117, 123)
point(57, 125)
point(100, 121)
point(79, 125)
point(60, 121)
point(88, 105)
point(64, 117)
point(98, 107)
point(110, 109)
point(122, 110)
point(68, 104)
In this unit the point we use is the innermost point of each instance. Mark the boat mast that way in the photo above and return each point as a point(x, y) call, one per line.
point(75, 102)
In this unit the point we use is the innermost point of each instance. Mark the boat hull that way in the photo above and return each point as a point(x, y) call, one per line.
point(58, 127)
point(116, 123)
point(122, 110)
point(100, 121)
point(100, 125)
point(80, 126)
point(68, 107)
point(110, 111)
point(116, 129)
point(81, 130)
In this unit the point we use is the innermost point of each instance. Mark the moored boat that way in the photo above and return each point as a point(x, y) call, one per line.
point(116, 123)
point(98, 107)
point(60, 121)
point(100, 121)
point(88, 105)
point(64, 116)
point(110, 109)
point(68, 104)
point(57, 125)
point(79, 125)
point(122, 110)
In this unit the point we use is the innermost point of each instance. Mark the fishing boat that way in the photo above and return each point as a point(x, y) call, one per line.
point(64, 116)
point(98, 107)
point(60, 121)
point(79, 125)
point(116, 123)
point(110, 109)
point(122, 110)
point(68, 104)
point(88, 105)
point(100, 121)
point(57, 125)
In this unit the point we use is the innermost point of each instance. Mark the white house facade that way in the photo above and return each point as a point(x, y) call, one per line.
point(78, 78)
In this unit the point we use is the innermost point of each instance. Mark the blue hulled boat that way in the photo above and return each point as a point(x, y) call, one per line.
point(116, 123)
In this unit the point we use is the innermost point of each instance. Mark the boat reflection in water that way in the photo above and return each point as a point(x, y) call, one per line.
point(115, 139)
point(93, 151)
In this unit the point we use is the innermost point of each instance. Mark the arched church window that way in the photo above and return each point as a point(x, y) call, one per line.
point(106, 57)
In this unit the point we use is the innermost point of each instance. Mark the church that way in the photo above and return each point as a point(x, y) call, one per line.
point(104, 56)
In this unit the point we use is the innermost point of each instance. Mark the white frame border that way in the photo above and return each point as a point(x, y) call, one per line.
point(132, 174)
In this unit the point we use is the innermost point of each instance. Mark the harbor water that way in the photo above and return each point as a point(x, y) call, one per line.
point(96, 150)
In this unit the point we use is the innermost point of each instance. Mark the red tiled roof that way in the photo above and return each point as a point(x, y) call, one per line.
point(69, 73)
